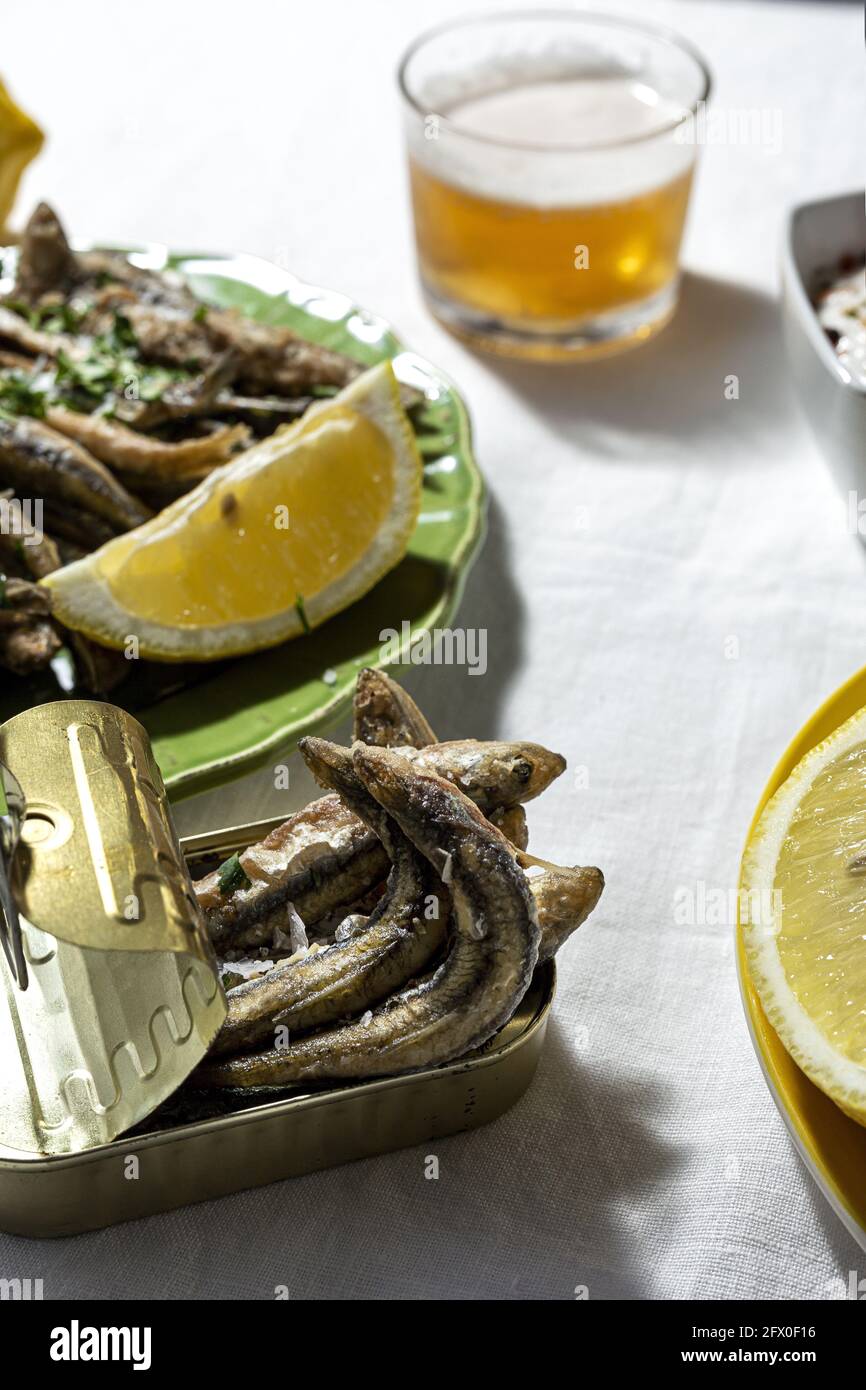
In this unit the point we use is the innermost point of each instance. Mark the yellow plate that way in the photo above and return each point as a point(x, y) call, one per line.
point(832, 1146)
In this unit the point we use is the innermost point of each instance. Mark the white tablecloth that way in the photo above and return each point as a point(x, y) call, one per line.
point(639, 522)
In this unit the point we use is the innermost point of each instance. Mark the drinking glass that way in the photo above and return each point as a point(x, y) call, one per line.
point(551, 157)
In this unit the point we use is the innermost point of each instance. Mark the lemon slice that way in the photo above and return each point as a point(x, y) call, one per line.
point(804, 876)
point(267, 546)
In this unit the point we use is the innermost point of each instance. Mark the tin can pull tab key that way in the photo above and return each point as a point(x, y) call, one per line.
point(11, 813)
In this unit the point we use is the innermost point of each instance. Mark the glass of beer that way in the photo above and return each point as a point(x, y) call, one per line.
point(551, 159)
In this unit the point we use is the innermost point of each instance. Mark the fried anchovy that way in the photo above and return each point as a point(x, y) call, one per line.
point(324, 857)
point(487, 969)
point(493, 774)
point(398, 940)
point(15, 329)
point(16, 362)
point(128, 452)
point(33, 647)
point(564, 899)
point(261, 409)
point(165, 289)
point(21, 602)
point(511, 820)
point(269, 357)
point(76, 526)
point(45, 260)
point(320, 859)
point(36, 458)
point(47, 266)
point(24, 650)
point(351, 974)
point(385, 716)
point(38, 557)
point(382, 953)
point(170, 336)
point(190, 396)
point(28, 640)
point(275, 358)
point(102, 669)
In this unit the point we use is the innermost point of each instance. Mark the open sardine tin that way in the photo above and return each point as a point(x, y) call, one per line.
point(122, 998)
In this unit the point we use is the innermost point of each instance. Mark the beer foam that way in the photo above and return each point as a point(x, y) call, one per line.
point(551, 141)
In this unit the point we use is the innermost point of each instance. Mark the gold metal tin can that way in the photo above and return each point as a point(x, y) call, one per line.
point(270, 1139)
point(122, 997)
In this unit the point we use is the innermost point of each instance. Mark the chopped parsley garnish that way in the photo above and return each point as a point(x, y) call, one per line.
point(111, 370)
point(51, 318)
point(20, 395)
point(230, 876)
point(95, 374)
point(123, 333)
point(153, 381)
point(302, 613)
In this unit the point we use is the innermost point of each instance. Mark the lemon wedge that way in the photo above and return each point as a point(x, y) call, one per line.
point(20, 140)
point(804, 882)
point(267, 546)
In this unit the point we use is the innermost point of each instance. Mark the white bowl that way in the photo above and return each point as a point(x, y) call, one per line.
point(816, 237)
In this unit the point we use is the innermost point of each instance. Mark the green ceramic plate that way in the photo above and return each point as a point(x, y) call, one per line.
point(232, 719)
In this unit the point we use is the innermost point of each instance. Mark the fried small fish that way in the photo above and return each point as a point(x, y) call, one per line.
point(324, 857)
point(139, 455)
point(15, 329)
point(75, 527)
point(45, 259)
point(101, 670)
point(511, 820)
point(28, 640)
point(30, 648)
point(321, 859)
point(188, 397)
point(273, 358)
point(385, 715)
point(21, 602)
point(564, 899)
point(487, 969)
point(397, 941)
point(165, 289)
point(42, 462)
point(493, 773)
point(38, 557)
point(172, 337)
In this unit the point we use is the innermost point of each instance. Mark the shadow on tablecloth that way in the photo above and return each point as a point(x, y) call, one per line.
point(671, 393)
point(464, 705)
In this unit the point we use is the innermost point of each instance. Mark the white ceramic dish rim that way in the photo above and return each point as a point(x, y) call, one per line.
point(799, 293)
